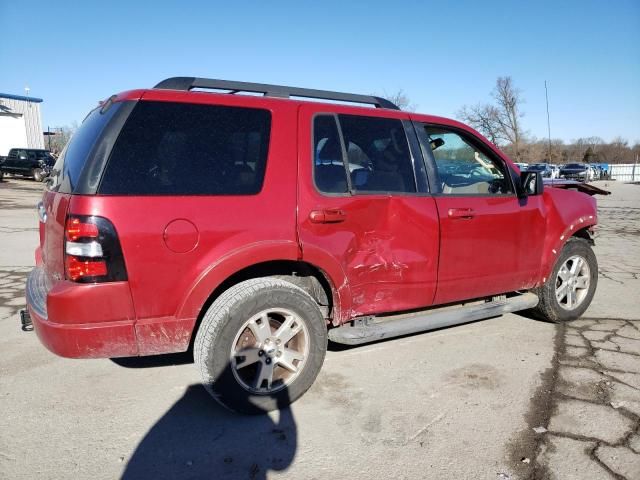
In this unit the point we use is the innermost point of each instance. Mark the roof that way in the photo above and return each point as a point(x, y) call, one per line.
point(20, 97)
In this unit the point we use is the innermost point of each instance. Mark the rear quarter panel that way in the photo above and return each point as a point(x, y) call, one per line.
point(168, 288)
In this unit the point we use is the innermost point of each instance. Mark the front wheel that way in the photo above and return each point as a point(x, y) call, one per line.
point(260, 345)
point(38, 174)
point(568, 291)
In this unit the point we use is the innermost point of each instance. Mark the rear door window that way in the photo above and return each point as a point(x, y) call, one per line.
point(187, 149)
point(329, 169)
point(378, 158)
point(378, 154)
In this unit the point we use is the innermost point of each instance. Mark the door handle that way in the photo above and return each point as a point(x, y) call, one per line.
point(327, 215)
point(464, 213)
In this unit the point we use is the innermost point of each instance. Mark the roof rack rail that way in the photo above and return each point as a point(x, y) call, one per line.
point(189, 83)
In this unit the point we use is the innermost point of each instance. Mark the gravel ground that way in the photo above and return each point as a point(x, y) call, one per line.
point(461, 402)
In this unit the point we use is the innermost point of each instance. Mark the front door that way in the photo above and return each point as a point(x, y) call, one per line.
point(364, 214)
point(491, 241)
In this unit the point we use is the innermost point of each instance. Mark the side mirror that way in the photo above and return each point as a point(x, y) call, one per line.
point(531, 183)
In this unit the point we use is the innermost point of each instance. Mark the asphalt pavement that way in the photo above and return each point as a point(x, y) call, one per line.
point(505, 398)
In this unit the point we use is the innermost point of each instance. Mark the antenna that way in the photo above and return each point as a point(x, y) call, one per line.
point(546, 94)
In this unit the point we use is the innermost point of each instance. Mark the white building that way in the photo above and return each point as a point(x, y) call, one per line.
point(20, 123)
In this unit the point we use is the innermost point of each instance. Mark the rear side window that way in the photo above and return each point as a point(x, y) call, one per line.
point(185, 149)
point(71, 161)
point(378, 158)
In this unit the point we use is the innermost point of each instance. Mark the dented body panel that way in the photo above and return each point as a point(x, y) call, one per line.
point(567, 212)
point(384, 255)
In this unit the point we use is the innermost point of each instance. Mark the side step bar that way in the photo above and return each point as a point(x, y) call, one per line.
point(371, 329)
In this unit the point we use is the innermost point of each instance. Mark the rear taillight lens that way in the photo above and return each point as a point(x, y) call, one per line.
point(92, 250)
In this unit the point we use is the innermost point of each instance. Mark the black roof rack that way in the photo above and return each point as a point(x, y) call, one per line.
point(189, 83)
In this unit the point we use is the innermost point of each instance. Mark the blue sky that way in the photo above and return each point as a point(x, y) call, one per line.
point(442, 54)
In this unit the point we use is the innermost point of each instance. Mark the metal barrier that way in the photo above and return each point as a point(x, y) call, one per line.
point(625, 172)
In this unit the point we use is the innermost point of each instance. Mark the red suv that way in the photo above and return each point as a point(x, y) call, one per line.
point(254, 228)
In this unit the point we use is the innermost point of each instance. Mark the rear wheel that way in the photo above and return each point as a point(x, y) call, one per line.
point(568, 291)
point(261, 345)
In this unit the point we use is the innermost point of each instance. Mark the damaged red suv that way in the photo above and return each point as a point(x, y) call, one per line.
point(253, 228)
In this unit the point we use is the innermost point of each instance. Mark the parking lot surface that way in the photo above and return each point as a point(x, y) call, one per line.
point(507, 398)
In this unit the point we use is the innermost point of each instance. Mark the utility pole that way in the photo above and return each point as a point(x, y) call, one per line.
point(546, 94)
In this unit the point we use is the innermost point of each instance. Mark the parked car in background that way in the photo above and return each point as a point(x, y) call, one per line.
point(575, 171)
point(255, 228)
point(522, 166)
point(602, 171)
point(543, 168)
point(29, 162)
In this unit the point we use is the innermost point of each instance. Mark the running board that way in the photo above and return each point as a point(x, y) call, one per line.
point(371, 329)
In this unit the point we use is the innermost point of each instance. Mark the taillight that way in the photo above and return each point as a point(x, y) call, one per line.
point(77, 229)
point(92, 250)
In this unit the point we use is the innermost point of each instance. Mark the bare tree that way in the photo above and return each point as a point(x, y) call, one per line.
point(60, 137)
point(500, 123)
point(484, 118)
point(509, 101)
point(401, 99)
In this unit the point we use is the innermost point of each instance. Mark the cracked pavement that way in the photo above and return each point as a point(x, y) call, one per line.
point(594, 426)
point(460, 402)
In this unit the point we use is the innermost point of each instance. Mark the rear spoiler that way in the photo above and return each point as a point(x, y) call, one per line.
point(573, 184)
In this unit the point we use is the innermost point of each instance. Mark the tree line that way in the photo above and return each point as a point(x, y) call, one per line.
point(501, 123)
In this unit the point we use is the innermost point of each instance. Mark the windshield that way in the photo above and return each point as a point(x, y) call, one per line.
point(574, 165)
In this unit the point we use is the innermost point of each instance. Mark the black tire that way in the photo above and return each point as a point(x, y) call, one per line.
point(37, 174)
point(549, 307)
point(222, 326)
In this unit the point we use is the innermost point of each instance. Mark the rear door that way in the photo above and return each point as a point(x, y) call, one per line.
point(364, 214)
point(491, 241)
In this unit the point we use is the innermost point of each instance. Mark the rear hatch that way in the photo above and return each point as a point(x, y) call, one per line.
point(77, 171)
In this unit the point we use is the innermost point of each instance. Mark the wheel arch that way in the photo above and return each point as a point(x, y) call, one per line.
point(568, 214)
point(553, 250)
point(311, 278)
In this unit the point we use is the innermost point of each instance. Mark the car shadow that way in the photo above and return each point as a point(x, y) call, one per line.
point(197, 438)
point(152, 361)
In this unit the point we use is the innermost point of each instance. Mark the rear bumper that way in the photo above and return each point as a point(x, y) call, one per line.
point(90, 337)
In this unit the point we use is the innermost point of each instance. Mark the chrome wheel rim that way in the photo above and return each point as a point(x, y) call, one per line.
point(269, 351)
point(572, 282)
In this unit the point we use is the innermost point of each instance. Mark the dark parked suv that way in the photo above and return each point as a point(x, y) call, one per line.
point(28, 162)
point(255, 228)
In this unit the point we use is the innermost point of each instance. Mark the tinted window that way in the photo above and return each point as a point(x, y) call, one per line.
point(329, 170)
point(69, 165)
point(185, 149)
point(378, 154)
point(465, 169)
